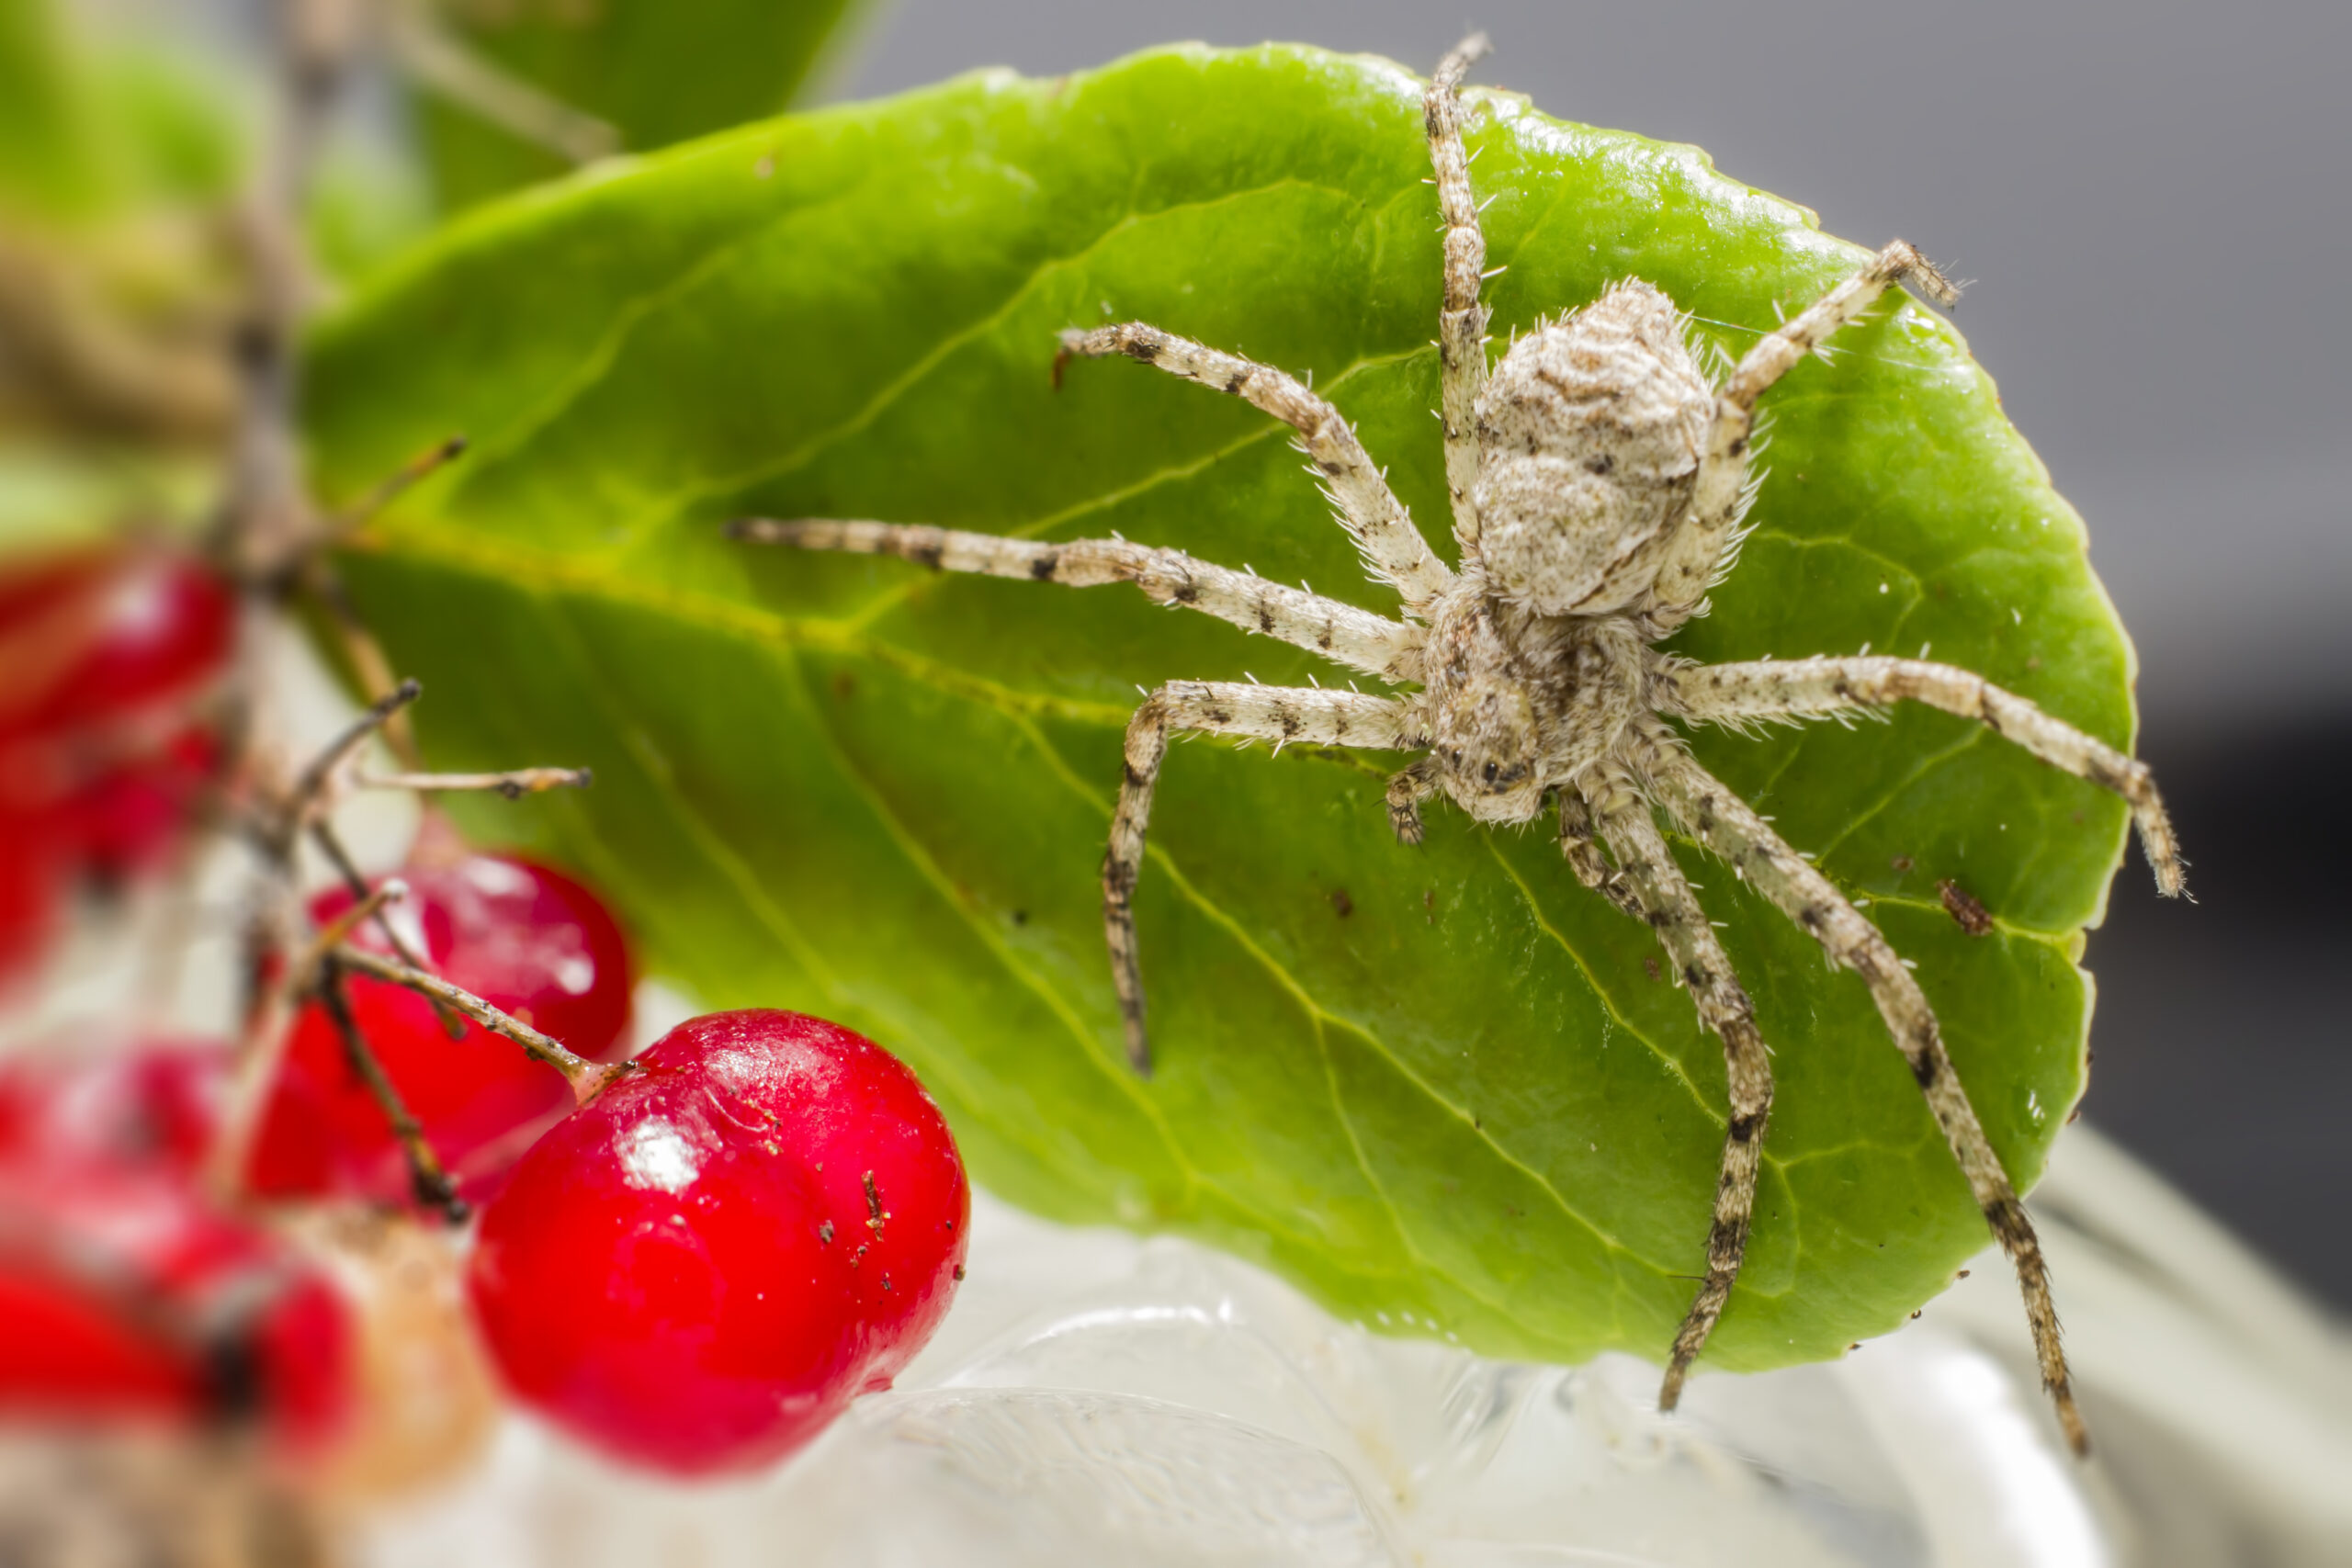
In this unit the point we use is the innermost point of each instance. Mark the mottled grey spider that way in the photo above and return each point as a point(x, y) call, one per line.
point(1597, 485)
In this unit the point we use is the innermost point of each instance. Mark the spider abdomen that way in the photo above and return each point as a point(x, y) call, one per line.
point(1590, 430)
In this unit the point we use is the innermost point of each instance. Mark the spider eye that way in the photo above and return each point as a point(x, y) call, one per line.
point(1490, 772)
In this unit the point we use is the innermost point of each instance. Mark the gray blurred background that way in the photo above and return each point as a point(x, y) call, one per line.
point(2152, 199)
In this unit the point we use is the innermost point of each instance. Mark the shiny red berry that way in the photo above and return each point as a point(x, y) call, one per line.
point(700, 1269)
point(96, 635)
point(520, 936)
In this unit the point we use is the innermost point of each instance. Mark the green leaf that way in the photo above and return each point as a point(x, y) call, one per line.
point(1454, 1101)
point(93, 128)
point(45, 163)
point(656, 70)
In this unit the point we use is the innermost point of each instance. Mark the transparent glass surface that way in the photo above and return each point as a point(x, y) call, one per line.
point(1098, 1398)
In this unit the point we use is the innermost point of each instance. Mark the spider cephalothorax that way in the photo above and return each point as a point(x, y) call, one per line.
point(1597, 476)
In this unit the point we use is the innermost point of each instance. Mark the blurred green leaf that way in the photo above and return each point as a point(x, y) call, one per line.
point(655, 70)
point(46, 168)
point(1456, 1100)
point(94, 128)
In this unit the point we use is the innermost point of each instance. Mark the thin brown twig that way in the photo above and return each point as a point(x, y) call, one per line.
point(300, 976)
point(310, 785)
point(399, 484)
point(265, 517)
point(330, 845)
point(446, 64)
point(429, 1178)
point(513, 785)
point(314, 576)
point(318, 580)
point(588, 1079)
point(261, 1045)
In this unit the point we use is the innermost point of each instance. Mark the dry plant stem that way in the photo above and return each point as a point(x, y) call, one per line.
point(327, 938)
point(310, 789)
point(260, 1046)
point(424, 45)
point(331, 846)
point(513, 785)
point(588, 1079)
point(366, 656)
point(305, 801)
point(409, 475)
point(426, 1177)
point(315, 578)
point(76, 364)
point(266, 518)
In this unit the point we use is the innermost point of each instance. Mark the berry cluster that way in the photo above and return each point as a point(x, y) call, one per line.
point(123, 1292)
point(523, 937)
point(106, 657)
point(693, 1260)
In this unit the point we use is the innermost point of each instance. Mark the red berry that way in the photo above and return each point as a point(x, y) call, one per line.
point(127, 818)
point(522, 937)
point(96, 635)
point(123, 1293)
point(102, 653)
point(153, 1106)
point(32, 879)
point(700, 1269)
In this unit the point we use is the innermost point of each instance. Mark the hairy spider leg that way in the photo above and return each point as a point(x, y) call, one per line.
point(1736, 694)
point(1393, 547)
point(1695, 555)
point(1358, 638)
point(1279, 713)
point(1577, 842)
point(1729, 826)
point(1461, 319)
point(1649, 886)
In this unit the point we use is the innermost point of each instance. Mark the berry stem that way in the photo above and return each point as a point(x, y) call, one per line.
point(261, 1048)
point(409, 474)
point(308, 788)
point(373, 671)
point(588, 1079)
point(330, 936)
point(330, 845)
point(513, 784)
point(431, 1182)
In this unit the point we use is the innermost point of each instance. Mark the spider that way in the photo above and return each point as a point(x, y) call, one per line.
point(1598, 483)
